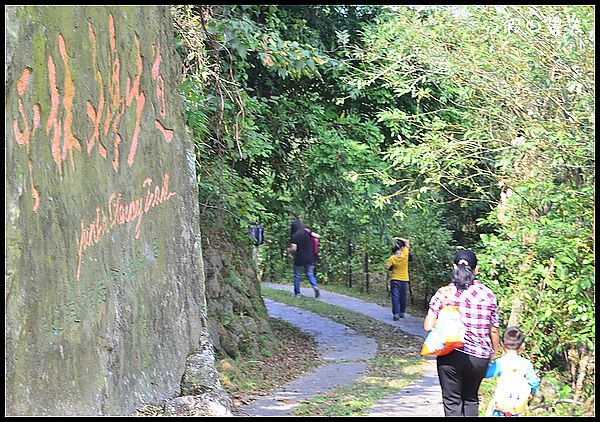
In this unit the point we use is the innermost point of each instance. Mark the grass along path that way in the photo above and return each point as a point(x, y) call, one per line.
point(396, 365)
point(540, 405)
point(246, 378)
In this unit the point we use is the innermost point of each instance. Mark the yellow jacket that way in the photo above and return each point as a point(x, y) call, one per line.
point(399, 265)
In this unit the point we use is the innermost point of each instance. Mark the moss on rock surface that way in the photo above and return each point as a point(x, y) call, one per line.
point(237, 315)
point(104, 284)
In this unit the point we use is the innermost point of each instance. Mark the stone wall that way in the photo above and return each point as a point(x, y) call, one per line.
point(104, 293)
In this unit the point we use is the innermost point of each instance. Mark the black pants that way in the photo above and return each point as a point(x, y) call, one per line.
point(460, 376)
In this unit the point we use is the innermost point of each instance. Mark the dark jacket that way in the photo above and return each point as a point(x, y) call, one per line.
point(304, 254)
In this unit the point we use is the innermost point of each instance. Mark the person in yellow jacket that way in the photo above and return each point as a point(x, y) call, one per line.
point(398, 264)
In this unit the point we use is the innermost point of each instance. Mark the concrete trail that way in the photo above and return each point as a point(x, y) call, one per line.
point(341, 346)
point(422, 398)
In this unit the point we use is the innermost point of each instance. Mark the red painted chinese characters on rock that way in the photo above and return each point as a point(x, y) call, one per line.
point(103, 136)
point(24, 136)
point(104, 116)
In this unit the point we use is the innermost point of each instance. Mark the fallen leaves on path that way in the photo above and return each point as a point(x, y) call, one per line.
point(247, 378)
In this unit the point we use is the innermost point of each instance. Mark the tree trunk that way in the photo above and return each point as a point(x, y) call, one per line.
point(582, 372)
point(515, 313)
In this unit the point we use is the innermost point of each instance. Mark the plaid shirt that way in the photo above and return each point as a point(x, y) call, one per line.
point(478, 310)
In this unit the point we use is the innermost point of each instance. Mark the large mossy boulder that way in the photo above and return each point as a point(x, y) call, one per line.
point(104, 293)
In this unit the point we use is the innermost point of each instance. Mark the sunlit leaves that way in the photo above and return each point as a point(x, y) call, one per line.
point(473, 129)
point(503, 115)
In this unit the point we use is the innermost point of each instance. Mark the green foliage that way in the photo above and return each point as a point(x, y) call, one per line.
point(498, 112)
point(548, 264)
point(447, 125)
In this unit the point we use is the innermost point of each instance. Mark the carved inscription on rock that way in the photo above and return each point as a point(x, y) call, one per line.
point(54, 128)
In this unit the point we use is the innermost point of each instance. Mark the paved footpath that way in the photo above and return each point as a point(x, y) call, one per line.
point(343, 345)
point(344, 350)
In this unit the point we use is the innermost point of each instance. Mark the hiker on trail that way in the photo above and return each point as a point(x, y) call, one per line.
point(301, 248)
point(461, 371)
point(314, 237)
point(398, 263)
point(518, 380)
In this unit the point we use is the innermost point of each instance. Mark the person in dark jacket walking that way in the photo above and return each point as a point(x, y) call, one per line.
point(304, 261)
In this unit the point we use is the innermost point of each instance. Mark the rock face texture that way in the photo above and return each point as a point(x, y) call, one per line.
point(237, 318)
point(104, 285)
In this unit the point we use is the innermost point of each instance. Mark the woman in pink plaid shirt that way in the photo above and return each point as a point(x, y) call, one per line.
point(461, 371)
